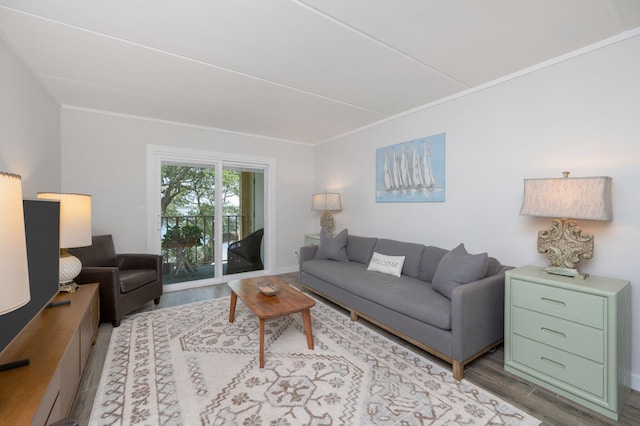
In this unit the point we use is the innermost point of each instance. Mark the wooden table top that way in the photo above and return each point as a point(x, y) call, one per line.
point(287, 301)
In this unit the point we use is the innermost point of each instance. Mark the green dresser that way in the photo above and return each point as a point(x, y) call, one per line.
point(569, 335)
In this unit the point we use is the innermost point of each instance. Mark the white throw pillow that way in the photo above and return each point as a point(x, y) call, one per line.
point(386, 264)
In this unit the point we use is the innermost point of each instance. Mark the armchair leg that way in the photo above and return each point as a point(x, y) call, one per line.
point(156, 300)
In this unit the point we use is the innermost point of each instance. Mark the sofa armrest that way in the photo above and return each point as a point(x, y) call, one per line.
point(306, 253)
point(139, 261)
point(477, 315)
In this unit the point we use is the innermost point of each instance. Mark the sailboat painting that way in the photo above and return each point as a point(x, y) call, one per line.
point(411, 172)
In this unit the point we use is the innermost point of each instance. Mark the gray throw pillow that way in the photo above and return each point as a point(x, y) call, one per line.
point(360, 249)
point(457, 268)
point(333, 248)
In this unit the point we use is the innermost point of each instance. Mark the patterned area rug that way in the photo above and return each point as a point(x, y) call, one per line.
point(188, 365)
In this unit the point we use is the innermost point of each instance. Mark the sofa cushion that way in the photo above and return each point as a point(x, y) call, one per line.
point(411, 251)
point(386, 264)
point(360, 249)
point(406, 295)
point(458, 267)
point(333, 248)
point(493, 266)
point(431, 257)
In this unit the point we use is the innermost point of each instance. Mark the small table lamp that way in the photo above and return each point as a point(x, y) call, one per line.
point(567, 198)
point(326, 202)
point(75, 231)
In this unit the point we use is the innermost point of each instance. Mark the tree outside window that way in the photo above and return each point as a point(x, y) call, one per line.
point(188, 211)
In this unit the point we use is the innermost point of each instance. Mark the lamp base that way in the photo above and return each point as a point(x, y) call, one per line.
point(565, 272)
point(70, 267)
point(565, 245)
point(69, 287)
point(326, 222)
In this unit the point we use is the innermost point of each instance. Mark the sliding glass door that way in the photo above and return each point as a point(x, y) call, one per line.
point(210, 218)
point(187, 218)
point(245, 233)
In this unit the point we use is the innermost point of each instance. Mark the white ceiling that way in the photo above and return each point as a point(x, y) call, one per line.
point(299, 70)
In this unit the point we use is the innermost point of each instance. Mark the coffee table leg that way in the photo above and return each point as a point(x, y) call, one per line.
point(232, 308)
point(261, 343)
point(306, 317)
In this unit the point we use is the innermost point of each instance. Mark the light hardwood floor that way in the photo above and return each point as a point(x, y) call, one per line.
point(486, 372)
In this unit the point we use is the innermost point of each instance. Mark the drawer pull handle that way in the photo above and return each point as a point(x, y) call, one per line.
point(555, 333)
point(552, 362)
point(553, 302)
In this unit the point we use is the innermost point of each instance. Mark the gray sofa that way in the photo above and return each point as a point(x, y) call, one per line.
point(447, 302)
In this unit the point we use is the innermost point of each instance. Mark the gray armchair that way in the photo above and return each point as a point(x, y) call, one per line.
point(127, 281)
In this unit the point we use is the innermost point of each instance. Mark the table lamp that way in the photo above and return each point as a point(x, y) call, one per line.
point(326, 202)
point(75, 231)
point(567, 199)
point(14, 271)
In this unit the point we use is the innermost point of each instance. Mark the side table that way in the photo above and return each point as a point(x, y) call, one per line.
point(569, 335)
point(312, 239)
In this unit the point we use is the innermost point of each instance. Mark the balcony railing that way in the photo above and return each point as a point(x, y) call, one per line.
point(200, 254)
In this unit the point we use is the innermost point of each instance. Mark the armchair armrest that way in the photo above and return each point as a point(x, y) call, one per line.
point(109, 279)
point(477, 315)
point(102, 274)
point(139, 261)
point(307, 253)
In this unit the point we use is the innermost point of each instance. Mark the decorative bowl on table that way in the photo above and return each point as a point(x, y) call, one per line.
point(268, 288)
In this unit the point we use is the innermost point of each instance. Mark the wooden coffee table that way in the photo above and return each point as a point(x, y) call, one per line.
point(287, 301)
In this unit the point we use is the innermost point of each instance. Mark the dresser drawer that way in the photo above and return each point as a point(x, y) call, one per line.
point(572, 370)
point(578, 339)
point(580, 307)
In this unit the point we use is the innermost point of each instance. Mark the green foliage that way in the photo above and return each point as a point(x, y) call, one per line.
point(185, 234)
point(193, 189)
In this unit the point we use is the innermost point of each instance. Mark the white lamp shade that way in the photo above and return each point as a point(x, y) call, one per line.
point(568, 198)
point(14, 271)
point(75, 218)
point(326, 201)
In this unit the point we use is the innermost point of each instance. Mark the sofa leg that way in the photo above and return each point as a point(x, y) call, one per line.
point(156, 300)
point(116, 323)
point(354, 316)
point(458, 370)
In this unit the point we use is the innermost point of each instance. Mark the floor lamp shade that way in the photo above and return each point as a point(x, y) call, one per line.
point(75, 231)
point(14, 272)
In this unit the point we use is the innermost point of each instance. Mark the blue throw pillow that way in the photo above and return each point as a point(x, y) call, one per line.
point(332, 248)
point(457, 268)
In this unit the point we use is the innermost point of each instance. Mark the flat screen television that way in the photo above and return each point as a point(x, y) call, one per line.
point(42, 228)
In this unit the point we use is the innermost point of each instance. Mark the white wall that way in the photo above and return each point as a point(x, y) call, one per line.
point(105, 156)
point(580, 115)
point(29, 127)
